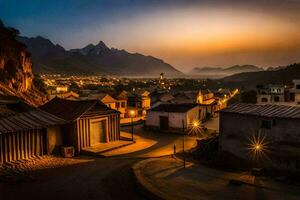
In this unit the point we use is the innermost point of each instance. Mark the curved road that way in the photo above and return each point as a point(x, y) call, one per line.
point(94, 178)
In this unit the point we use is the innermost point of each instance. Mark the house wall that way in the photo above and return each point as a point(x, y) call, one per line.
point(122, 107)
point(260, 98)
point(83, 130)
point(146, 102)
point(175, 119)
point(54, 139)
point(283, 138)
point(20, 145)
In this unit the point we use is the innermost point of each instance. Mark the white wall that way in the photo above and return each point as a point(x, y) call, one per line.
point(175, 119)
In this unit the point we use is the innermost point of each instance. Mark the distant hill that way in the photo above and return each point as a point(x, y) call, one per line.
point(93, 59)
point(279, 75)
point(219, 72)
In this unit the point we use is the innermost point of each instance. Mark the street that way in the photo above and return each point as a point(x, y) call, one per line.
point(92, 178)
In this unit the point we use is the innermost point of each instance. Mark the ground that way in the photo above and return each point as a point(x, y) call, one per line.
point(90, 177)
point(111, 177)
point(166, 178)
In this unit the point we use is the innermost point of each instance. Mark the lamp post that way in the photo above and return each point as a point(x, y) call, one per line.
point(194, 126)
point(183, 143)
point(132, 115)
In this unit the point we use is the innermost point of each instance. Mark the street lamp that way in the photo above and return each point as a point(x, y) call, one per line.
point(132, 113)
point(183, 130)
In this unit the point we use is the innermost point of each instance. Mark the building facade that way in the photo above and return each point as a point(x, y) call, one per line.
point(270, 130)
point(90, 122)
point(172, 117)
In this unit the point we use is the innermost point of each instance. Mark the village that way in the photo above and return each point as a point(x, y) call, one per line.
point(165, 127)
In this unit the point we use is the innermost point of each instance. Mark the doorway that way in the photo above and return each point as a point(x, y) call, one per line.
point(164, 123)
point(98, 132)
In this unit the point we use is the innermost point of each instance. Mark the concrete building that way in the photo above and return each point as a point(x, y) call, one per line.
point(169, 117)
point(243, 127)
point(90, 122)
point(271, 94)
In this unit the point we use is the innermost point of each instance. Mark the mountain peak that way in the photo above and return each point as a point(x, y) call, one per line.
point(101, 45)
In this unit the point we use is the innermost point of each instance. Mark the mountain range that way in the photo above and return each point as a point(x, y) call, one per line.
point(219, 72)
point(249, 80)
point(93, 60)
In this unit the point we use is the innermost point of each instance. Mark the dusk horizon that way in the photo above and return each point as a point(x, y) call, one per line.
point(188, 34)
point(150, 99)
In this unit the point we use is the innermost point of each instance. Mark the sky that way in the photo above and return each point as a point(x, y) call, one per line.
point(184, 33)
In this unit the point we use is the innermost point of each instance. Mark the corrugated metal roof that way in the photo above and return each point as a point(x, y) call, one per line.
point(34, 119)
point(73, 109)
point(280, 111)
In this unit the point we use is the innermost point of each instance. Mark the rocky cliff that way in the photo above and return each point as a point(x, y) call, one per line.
point(16, 76)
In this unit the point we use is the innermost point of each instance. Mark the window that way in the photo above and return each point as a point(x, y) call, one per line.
point(267, 124)
point(264, 100)
point(276, 99)
point(298, 87)
point(123, 104)
point(117, 104)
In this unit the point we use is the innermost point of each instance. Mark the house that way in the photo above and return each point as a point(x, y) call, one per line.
point(270, 94)
point(172, 117)
point(243, 127)
point(158, 98)
point(66, 95)
point(139, 101)
point(108, 100)
point(121, 102)
point(294, 93)
point(29, 134)
point(90, 122)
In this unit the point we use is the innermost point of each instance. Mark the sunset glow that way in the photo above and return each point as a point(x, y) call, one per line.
point(185, 34)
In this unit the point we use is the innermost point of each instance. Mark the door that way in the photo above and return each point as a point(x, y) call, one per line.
point(164, 123)
point(98, 132)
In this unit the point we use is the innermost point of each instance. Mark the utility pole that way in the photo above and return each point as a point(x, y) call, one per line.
point(183, 130)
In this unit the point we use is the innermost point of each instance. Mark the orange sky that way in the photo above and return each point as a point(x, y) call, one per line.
point(184, 33)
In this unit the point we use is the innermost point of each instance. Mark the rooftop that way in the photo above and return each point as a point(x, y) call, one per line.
point(176, 108)
point(34, 119)
point(73, 109)
point(268, 110)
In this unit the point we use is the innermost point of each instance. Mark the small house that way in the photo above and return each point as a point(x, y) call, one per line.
point(90, 122)
point(108, 100)
point(172, 117)
point(121, 102)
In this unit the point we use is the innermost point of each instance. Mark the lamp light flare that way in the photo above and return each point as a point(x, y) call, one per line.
point(258, 147)
point(195, 127)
